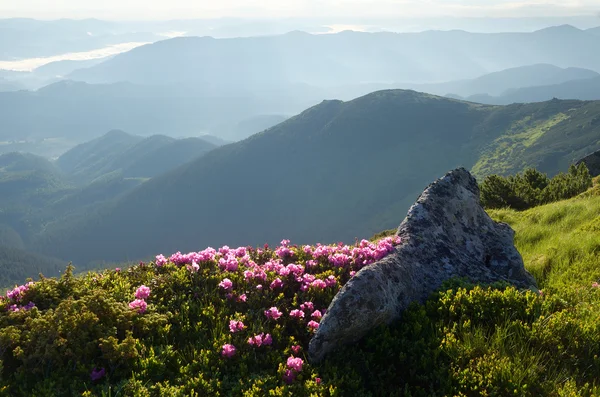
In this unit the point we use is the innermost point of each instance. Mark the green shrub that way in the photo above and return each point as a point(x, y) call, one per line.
point(533, 188)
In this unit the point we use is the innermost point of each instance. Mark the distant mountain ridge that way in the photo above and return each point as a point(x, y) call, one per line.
point(345, 58)
point(336, 171)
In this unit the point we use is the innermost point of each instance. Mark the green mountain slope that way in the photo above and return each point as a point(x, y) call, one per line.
point(16, 265)
point(132, 156)
point(336, 171)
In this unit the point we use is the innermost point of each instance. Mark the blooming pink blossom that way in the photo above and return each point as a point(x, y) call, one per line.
point(242, 298)
point(595, 285)
point(142, 292)
point(331, 281)
point(307, 306)
point(273, 313)
point(160, 260)
point(313, 325)
point(317, 315)
point(318, 381)
point(236, 326)
point(277, 283)
point(297, 313)
point(259, 287)
point(228, 350)
point(139, 305)
point(296, 349)
point(226, 284)
point(260, 340)
point(295, 363)
point(319, 284)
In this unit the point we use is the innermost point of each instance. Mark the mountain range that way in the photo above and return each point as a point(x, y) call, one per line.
point(344, 58)
point(338, 170)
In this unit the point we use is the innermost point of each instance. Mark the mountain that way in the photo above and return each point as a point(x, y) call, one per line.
point(79, 111)
point(498, 83)
point(583, 89)
point(27, 176)
point(91, 157)
point(344, 58)
point(595, 31)
point(250, 126)
point(132, 156)
point(17, 265)
point(339, 170)
point(60, 69)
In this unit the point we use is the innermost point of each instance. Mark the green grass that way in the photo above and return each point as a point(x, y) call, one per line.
point(559, 242)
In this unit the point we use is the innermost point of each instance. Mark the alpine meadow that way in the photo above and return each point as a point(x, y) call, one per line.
point(332, 198)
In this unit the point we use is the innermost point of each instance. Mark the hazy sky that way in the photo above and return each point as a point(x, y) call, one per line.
point(169, 9)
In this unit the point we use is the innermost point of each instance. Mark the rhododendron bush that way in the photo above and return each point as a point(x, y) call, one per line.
point(238, 321)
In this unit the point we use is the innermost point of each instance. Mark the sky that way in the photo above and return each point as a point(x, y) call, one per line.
point(184, 9)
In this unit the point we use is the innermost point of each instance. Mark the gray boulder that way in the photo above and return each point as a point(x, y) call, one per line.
point(445, 234)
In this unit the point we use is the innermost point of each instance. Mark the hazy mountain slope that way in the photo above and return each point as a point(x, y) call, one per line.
point(345, 58)
point(92, 158)
point(167, 157)
point(336, 171)
point(498, 83)
point(17, 265)
point(243, 129)
point(131, 156)
point(587, 89)
point(24, 176)
point(80, 112)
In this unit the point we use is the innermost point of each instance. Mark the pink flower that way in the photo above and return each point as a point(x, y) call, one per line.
point(160, 260)
point(142, 292)
point(259, 287)
point(296, 349)
point(331, 281)
point(194, 267)
point(297, 313)
point(267, 340)
point(307, 306)
point(139, 304)
point(260, 339)
point(236, 326)
point(318, 283)
point(295, 363)
point(277, 283)
point(595, 285)
point(316, 315)
point(273, 313)
point(242, 298)
point(226, 284)
point(118, 269)
point(352, 273)
point(318, 381)
point(313, 325)
point(228, 351)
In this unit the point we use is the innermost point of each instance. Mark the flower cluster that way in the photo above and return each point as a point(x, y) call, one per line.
point(140, 304)
point(289, 270)
point(18, 292)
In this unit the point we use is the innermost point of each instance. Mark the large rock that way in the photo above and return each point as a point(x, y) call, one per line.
point(446, 234)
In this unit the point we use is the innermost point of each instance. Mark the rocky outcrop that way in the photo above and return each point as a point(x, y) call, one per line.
point(592, 161)
point(446, 234)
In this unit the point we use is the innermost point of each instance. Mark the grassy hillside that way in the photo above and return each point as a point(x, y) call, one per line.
point(237, 322)
point(18, 264)
point(560, 242)
point(336, 171)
